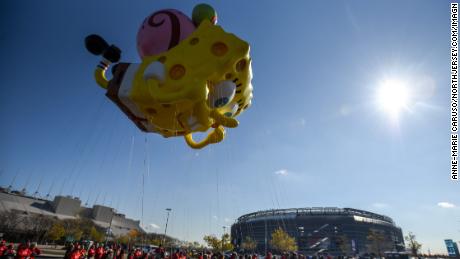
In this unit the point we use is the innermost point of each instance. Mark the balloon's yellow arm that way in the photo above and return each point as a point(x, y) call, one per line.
point(99, 74)
point(215, 136)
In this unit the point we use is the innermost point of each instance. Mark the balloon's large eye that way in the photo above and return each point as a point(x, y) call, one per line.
point(221, 94)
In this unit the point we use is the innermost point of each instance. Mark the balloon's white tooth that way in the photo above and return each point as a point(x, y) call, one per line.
point(155, 70)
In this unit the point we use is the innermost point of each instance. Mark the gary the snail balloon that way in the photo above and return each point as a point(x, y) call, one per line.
point(193, 76)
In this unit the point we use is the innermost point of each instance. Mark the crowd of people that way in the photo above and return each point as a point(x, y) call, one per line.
point(116, 251)
point(25, 250)
point(90, 250)
point(112, 251)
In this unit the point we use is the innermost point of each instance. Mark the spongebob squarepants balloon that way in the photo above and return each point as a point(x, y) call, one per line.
point(194, 76)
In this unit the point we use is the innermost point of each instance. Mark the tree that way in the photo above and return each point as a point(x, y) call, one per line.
point(197, 246)
point(217, 244)
point(86, 227)
point(343, 244)
point(281, 241)
point(226, 244)
point(155, 241)
point(38, 225)
point(212, 241)
point(96, 235)
point(72, 229)
point(249, 244)
point(56, 231)
point(133, 234)
point(9, 221)
point(413, 245)
point(377, 242)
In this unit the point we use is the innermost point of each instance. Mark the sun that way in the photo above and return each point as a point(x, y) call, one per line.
point(393, 97)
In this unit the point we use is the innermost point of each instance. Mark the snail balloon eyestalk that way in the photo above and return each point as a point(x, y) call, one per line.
point(203, 12)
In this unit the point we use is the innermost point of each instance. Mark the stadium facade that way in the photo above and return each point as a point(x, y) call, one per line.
point(336, 231)
point(66, 207)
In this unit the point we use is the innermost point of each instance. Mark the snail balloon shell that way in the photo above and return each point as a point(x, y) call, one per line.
point(162, 31)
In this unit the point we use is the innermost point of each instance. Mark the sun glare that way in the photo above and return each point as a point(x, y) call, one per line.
point(393, 97)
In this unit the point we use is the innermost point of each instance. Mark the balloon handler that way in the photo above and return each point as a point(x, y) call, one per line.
point(194, 76)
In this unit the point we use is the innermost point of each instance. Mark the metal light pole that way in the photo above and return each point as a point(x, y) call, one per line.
point(224, 227)
point(166, 227)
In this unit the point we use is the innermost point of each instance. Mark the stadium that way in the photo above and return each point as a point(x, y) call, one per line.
point(336, 231)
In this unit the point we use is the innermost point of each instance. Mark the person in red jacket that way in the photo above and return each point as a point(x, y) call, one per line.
point(27, 251)
point(138, 253)
point(176, 255)
point(83, 252)
point(121, 252)
point(9, 252)
point(91, 251)
point(160, 251)
point(34, 250)
point(23, 251)
point(131, 254)
point(76, 253)
point(269, 255)
point(2, 247)
point(99, 252)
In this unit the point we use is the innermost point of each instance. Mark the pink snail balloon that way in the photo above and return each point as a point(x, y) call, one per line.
point(162, 31)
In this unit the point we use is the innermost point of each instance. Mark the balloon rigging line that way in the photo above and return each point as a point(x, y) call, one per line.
point(87, 150)
point(14, 179)
point(81, 145)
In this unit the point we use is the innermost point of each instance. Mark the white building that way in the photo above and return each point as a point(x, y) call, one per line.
point(66, 207)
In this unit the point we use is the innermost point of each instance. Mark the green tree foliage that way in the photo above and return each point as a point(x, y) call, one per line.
point(76, 229)
point(72, 231)
point(412, 244)
point(226, 244)
point(96, 235)
point(56, 231)
point(213, 242)
point(281, 241)
point(248, 244)
point(155, 241)
point(85, 226)
point(217, 244)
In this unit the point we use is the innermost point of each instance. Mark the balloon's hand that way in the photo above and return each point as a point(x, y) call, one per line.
point(223, 120)
point(215, 136)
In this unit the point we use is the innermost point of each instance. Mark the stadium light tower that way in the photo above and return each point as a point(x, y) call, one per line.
point(168, 210)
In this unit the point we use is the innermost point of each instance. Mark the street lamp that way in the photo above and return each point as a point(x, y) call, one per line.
point(168, 210)
point(224, 227)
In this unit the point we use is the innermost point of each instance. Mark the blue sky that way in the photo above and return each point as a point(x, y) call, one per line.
point(315, 135)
